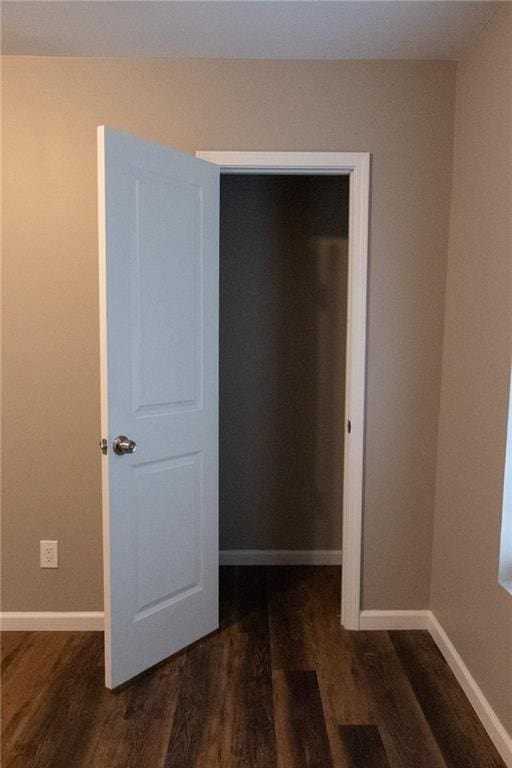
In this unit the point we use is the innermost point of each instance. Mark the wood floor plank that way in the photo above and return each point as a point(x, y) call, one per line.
point(341, 679)
point(255, 743)
point(240, 727)
point(406, 733)
point(287, 600)
point(192, 708)
point(218, 746)
point(30, 660)
point(70, 702)
point(12, 644)
point(363, 746)
point(302, 740)
point(455, 725)
point(343, 687)
point(133, 725)
point(235, 726)
point(223, 745)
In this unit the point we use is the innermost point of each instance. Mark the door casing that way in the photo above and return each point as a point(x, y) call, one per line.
point(356, 165)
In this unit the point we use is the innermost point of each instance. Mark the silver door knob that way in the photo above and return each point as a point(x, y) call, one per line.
point(123, 444)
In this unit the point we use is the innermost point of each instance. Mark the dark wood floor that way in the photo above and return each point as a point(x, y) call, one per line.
point(281, 685)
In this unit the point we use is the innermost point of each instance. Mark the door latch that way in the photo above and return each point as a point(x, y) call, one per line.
point(103, 446)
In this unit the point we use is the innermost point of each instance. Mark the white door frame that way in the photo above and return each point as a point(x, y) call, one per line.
point(357, 166)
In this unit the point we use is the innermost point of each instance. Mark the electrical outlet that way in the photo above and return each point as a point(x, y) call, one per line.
point(49, 554)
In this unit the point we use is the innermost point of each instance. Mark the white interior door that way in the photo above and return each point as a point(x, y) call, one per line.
point(158, 233)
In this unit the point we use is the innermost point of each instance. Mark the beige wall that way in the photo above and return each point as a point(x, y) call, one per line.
point(475, 611)
point(283, 306)
point(402, 112)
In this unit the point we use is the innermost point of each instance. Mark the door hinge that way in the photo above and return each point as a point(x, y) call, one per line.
point(104, 446)
point(349, 426)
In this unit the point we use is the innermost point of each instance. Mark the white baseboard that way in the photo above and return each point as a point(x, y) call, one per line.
point(51, 621)
point(426, 620)
point(394, 619)
point(280, 557)
point(499, 736)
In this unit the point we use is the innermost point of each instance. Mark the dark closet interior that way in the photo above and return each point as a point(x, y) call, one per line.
point(283, 295)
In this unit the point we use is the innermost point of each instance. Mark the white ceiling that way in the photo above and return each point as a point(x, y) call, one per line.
point(309, 29)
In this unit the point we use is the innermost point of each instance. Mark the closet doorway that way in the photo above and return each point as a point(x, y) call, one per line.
point(352, 172)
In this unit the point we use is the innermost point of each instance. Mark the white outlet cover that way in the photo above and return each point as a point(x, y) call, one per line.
point(49, 554)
